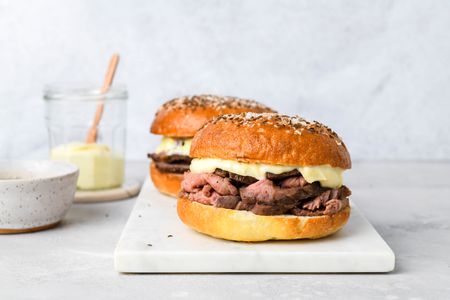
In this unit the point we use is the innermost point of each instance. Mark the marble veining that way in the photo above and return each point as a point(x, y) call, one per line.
point(155, 241)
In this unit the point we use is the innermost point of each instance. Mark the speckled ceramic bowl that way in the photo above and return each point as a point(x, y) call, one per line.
point(35, 195)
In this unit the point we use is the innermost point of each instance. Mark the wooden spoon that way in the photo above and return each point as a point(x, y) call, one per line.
point(92, 134)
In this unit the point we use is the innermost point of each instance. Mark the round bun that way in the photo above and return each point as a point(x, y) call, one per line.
point(166, 183)
point(270, 138)
point(182, 117)
point(244, 226)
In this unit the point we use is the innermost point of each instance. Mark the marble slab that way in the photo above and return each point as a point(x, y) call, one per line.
point(154, 240)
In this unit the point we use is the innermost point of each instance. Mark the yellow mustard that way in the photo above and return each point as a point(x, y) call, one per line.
point(99, 167)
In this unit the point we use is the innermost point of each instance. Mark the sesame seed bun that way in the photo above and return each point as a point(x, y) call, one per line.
point(166, 183)
point(273, 139)
point(182, 117)
point(244, 226)
point(270, 138)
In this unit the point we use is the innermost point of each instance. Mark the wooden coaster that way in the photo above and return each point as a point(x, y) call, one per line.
point(129, 189)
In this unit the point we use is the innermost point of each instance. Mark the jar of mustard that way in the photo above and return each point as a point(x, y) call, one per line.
point(70, 111)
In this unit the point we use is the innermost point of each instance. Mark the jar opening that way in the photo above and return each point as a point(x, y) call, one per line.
point(83, 91)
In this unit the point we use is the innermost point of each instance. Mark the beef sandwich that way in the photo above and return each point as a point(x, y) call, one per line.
point(257, 177)
point(177, 121)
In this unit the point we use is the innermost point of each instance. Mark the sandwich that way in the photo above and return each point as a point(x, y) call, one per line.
point(257, 177)
point(177, 121)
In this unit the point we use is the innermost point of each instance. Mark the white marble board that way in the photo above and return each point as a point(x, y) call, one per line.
point(154, 240)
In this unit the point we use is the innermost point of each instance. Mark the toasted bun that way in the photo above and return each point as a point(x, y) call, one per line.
point(244, 226)
point(182, 117)
point(270, 139)
point(166, 183)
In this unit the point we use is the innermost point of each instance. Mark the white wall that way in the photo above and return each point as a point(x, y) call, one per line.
point(378, 72)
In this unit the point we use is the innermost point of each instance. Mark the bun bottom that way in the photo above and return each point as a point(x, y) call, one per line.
point(166, 183)
point(244, 226)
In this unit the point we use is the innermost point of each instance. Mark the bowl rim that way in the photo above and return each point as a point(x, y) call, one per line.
point(72, 169)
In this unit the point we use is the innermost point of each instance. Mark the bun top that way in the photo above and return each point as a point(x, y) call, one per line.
point(183, 117)
point(270, 138)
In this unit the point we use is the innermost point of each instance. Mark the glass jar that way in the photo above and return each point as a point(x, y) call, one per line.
point(70, 111)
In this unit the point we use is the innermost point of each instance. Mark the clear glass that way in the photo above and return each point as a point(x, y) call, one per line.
point(70, 111)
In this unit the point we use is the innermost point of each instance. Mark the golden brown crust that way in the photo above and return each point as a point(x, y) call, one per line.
point(238, 225)
point(166, 183)
point(271, 139)
point(182, 117)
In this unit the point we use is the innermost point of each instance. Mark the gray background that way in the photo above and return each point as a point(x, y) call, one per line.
point(378, 72)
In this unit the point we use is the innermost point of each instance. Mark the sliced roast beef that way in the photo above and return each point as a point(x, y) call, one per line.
point(317, 202)
point(334, 194)
point(223, 186)
point(164, 167)
point(292, 195)
point(332, 200)
point(192, 182)
point(344, 192)
point(208, 196)
point(313, 190)
point(322, 205)
point(335, 205)
point(174, 158)
point(171, 163)
point(221, 173)
point(276, 177)
point(269, 199)
point(227, 201)
point(261, 191)
point(203, 197)
point(269, 210)
point(306, 213)
point(294, 181)
point(266, 192)
point(242, 206)
point(207, 190)
point(247, 180)
point(241, 180)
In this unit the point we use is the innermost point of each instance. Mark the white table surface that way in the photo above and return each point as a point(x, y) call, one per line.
point(408, 203)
